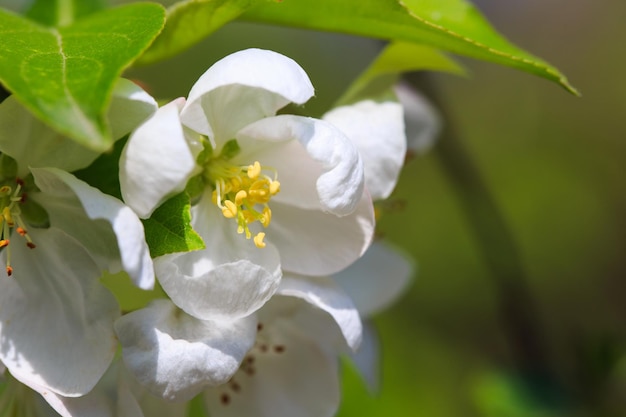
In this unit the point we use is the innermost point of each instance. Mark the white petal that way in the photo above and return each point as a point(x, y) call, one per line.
point(111, 397)
point(130, 106)
point(367, 358)
point(377, 130)
point(338, 164)
point(241, 88)
point(423, 123)
point(377, 279)
point(56, 320)
point(311, 242)
point(34, 144)
point(175, 355)
point(299, 380)
point(229, 279)
point(324, 294)
point(114, 236)
point(157, 161)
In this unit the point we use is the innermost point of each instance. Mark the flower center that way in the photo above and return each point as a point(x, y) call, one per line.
point(242, 192)
point(11, 198)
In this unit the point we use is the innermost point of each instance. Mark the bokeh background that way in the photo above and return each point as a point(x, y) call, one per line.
point(544, 332)
point(517, 308)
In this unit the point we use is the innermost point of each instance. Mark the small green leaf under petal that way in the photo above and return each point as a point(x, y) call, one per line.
point(169, 229)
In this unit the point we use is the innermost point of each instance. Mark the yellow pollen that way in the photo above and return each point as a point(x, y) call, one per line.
point(258, 240)
point(254, 170)
point(230, 209)
point(243, 194)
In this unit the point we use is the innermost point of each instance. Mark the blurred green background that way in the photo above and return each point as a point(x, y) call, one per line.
point(554, 166)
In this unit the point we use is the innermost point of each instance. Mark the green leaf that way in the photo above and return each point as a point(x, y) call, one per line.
point(62, 12)
point(190, 21)
point(65, 76)
point(452, 25)
point(396, 58)
point(168, 230)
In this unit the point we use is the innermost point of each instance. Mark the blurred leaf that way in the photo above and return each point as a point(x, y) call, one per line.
point(65, 76)
point(396, 58)
point(452, 25)
point(168, 230)
point(190, 21)
point(62, 12)
point(127, 294)
point(497, 395)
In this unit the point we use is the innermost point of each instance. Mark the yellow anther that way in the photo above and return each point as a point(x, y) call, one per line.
point(242, 192)
point(258, 240)
point(240, 196)
point(254, 170)
point(267, 216)
point(4, 242)
point(8, 217)
point(5, 190)
point(274, 187)
point(230, 209)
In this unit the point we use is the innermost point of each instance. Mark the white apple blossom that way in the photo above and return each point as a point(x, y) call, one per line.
point(292, 370)
point(175, 355)
point(382, 132)
point(58, 235)
point(299, 179)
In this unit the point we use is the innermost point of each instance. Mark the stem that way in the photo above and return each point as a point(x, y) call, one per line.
point(517, 308)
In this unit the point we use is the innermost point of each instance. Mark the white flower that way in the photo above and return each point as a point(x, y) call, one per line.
point(292, 369)
point(251, 168)
point(374, 282)
point(175, 355)
point(58, 234)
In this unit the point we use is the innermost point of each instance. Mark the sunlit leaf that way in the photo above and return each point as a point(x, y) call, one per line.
point(65, 76)
point(190, 21)
point(452, 25)
point(396, 58)
point(168, 230)
point(62, 12)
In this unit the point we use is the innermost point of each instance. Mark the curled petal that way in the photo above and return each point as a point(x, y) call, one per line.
point(109, 230)
point(324, 294)
point(175, 355)
point(241, 88)
point(54, 296)
point(377, 130)
point(332, 158)
point(229, 279)
point(311, 242)
point(377, 279)
point(157, 161)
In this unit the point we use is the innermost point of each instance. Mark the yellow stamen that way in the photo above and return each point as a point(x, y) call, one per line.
point(230, 209)
point(258, 240)
point(254, 170)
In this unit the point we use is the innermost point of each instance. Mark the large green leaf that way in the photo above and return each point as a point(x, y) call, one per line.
point(396, 58)
point(65, 75)
point(62, 12)
point(190, 21)
point(169, 229)
point(452, 25)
